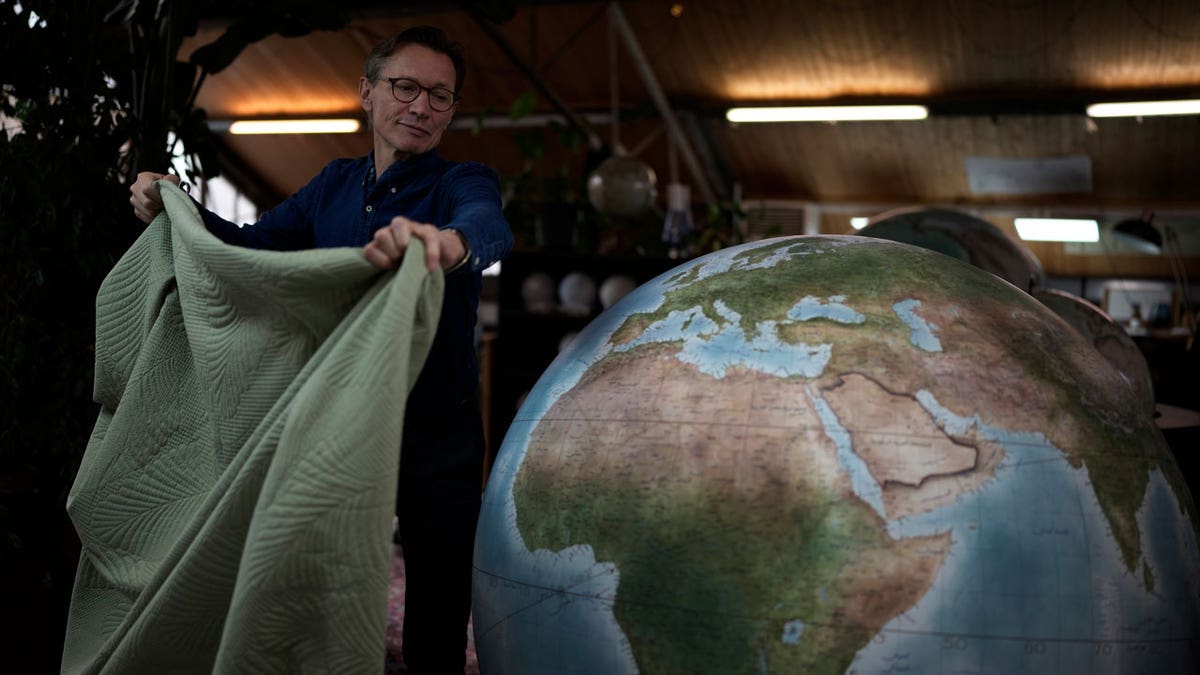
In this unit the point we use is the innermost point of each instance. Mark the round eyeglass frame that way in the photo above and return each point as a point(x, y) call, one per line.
point(419, 88)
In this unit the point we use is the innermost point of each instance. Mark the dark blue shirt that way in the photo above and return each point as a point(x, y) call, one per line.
point(344, 206)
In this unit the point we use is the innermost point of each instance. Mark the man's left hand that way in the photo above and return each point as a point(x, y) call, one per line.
point(443, 248)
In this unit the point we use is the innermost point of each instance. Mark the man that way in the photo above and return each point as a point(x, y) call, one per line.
point(403, 189)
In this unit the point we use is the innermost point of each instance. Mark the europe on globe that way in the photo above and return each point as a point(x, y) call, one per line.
point(834, 454)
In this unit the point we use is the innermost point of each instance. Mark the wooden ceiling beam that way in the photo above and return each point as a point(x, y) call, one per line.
point(538, 83)
point(617, 17)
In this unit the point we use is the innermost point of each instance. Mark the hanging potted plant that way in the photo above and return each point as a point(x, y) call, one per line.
point(542, 203)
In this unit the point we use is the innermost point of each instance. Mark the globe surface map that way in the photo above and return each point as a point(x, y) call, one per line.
point(834, 454)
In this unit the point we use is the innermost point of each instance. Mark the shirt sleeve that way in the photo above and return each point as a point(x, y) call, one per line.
point(286, 227)
point(475, 211)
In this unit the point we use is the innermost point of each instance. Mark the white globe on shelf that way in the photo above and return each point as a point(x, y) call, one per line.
point(576, 293)
point(614, 288)
point(537, 293)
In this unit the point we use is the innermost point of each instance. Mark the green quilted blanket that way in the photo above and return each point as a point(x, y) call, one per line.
point(235, 499)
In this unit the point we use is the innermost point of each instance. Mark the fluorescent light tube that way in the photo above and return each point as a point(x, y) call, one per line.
point(309, 126)
point(828, 113)
point(1144, 108)
point(859, 222)
point(1057, 229)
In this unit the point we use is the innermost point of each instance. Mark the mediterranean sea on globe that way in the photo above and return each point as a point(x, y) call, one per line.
point(834, 454)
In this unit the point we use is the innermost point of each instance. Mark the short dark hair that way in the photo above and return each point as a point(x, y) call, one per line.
point(427, 36)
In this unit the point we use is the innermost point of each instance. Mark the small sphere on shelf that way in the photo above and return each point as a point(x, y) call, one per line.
point(537, 293)
point(614, 288)
point(577, 292)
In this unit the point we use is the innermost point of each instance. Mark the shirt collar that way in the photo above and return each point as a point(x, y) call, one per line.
point(398, 169)
point(369, 177)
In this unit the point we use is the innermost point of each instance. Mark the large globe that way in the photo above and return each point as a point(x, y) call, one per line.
point(963, 236)
point(834, 454)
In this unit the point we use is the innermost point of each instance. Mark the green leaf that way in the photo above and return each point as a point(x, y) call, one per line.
point(523, 106)
point(531, 143)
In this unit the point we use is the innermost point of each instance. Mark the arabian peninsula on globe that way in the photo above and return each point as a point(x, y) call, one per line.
point(834, 454)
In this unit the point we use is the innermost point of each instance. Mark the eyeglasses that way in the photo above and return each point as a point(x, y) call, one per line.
point(405, 90)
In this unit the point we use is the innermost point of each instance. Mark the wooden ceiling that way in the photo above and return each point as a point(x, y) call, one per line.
point(1005, 79)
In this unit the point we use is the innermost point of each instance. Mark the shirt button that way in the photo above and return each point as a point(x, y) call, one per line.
point(369, 207)
point(393, 190)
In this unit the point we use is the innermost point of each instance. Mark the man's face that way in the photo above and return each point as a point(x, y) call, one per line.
point(405, 129)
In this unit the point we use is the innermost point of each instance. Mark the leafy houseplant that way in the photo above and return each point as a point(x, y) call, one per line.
point(102, 93)
point(541, 201)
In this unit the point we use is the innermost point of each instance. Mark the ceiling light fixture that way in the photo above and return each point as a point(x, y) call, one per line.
point(1057, 229)
point(296, 126)
point(1144, 108)
point(828, 113)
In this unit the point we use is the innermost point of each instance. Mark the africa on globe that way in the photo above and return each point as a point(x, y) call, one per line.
point(834, 454)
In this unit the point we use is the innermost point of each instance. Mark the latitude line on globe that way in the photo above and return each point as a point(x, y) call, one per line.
point(551, 592)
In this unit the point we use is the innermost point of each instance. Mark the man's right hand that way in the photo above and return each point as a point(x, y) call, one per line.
point(147, 203)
